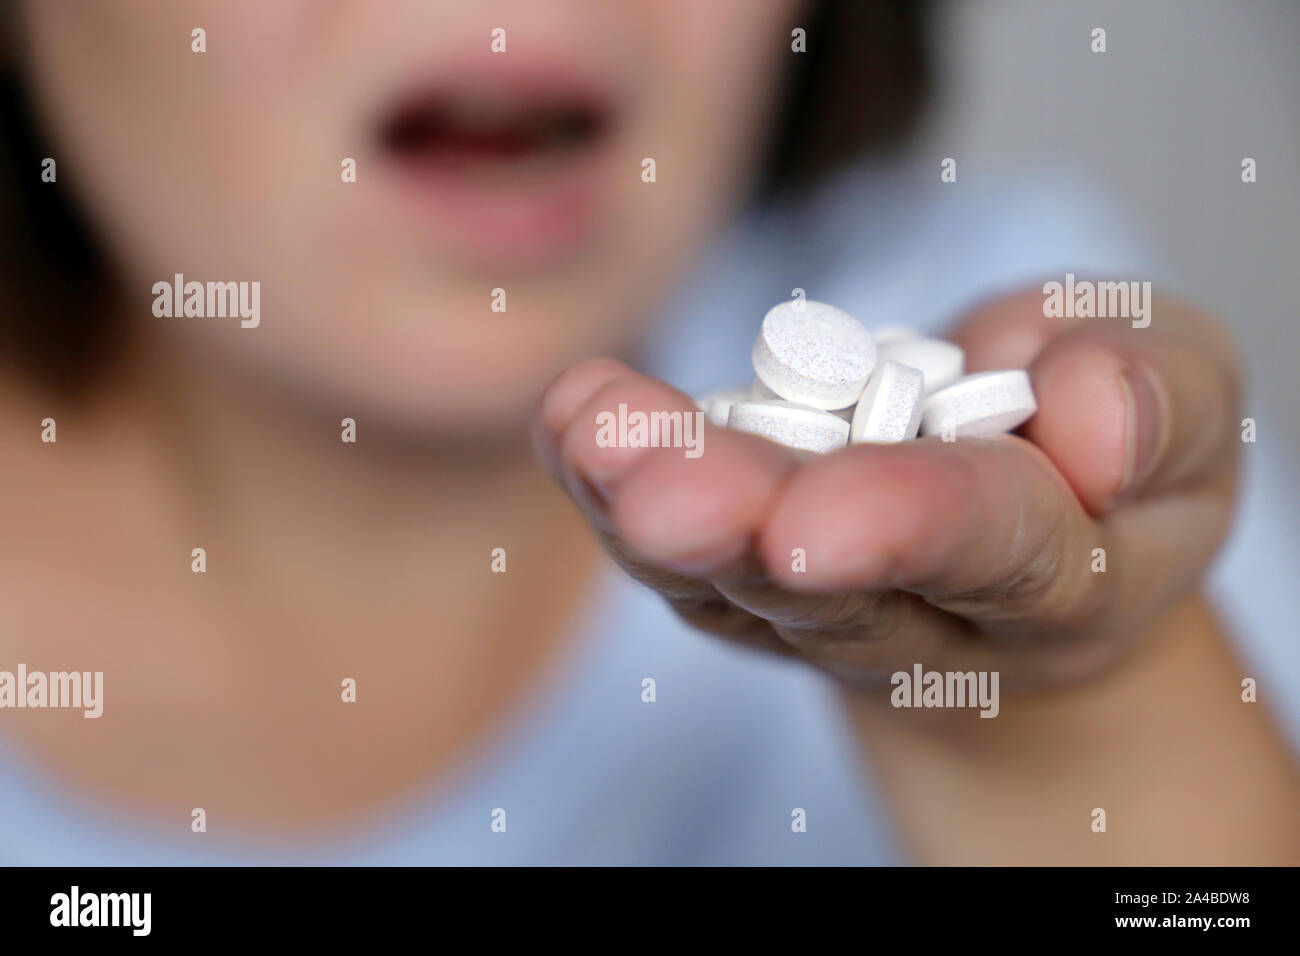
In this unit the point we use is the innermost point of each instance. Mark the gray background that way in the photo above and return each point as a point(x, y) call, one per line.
point(1185, 90)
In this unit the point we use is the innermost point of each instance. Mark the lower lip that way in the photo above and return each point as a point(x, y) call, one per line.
point(489, 216)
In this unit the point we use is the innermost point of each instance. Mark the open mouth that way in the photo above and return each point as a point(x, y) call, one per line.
point(514, 165)
point(489, 134)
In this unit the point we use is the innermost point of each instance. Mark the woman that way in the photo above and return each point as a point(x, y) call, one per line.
point(396, 643)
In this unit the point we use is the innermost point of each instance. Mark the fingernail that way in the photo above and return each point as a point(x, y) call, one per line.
point(1144, 425)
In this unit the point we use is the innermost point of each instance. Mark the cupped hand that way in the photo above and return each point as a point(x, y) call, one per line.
point(1041, 555)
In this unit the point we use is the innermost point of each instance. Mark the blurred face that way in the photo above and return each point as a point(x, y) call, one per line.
point(475, 171)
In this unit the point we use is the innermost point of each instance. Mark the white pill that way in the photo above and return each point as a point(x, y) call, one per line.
point(790, 424)
point(718, 403)
point(814, 355)
point(940, 362)
point(979, 405)
point(888, 334)
point(890, 408)
point(760, 392)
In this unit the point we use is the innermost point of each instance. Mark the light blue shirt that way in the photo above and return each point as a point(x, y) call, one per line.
point(735, 744)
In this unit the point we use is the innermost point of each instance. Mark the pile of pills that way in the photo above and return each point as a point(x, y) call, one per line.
point(824, 381)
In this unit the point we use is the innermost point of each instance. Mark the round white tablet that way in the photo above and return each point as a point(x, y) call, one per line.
point(716, 405)
point(979, 405)
point(790, 424)
point(888, 334)
point(814, 354)
point(890, 408)
point(760, 392)
point(940, 362)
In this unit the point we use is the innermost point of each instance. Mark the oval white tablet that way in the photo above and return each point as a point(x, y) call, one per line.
point(815, 355)
point(890, 408)
point(984, 404)
point(790, 424)
point(717, 404)
point(940, 362)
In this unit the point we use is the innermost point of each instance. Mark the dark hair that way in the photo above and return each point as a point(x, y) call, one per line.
point(859, 86)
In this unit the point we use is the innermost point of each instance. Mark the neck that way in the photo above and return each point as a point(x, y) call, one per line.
point(325, 560)
point(324, 530)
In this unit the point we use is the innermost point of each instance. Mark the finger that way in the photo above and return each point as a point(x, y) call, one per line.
point(1130, 414)
point(562, 399)
point(1007, 332)
point(566, 419)
point(985, 528)
point(706, 523)
point(701, 521)
point(557, 411)
point(1123, 412)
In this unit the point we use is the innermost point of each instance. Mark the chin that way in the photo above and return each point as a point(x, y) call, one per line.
point(479, 391)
